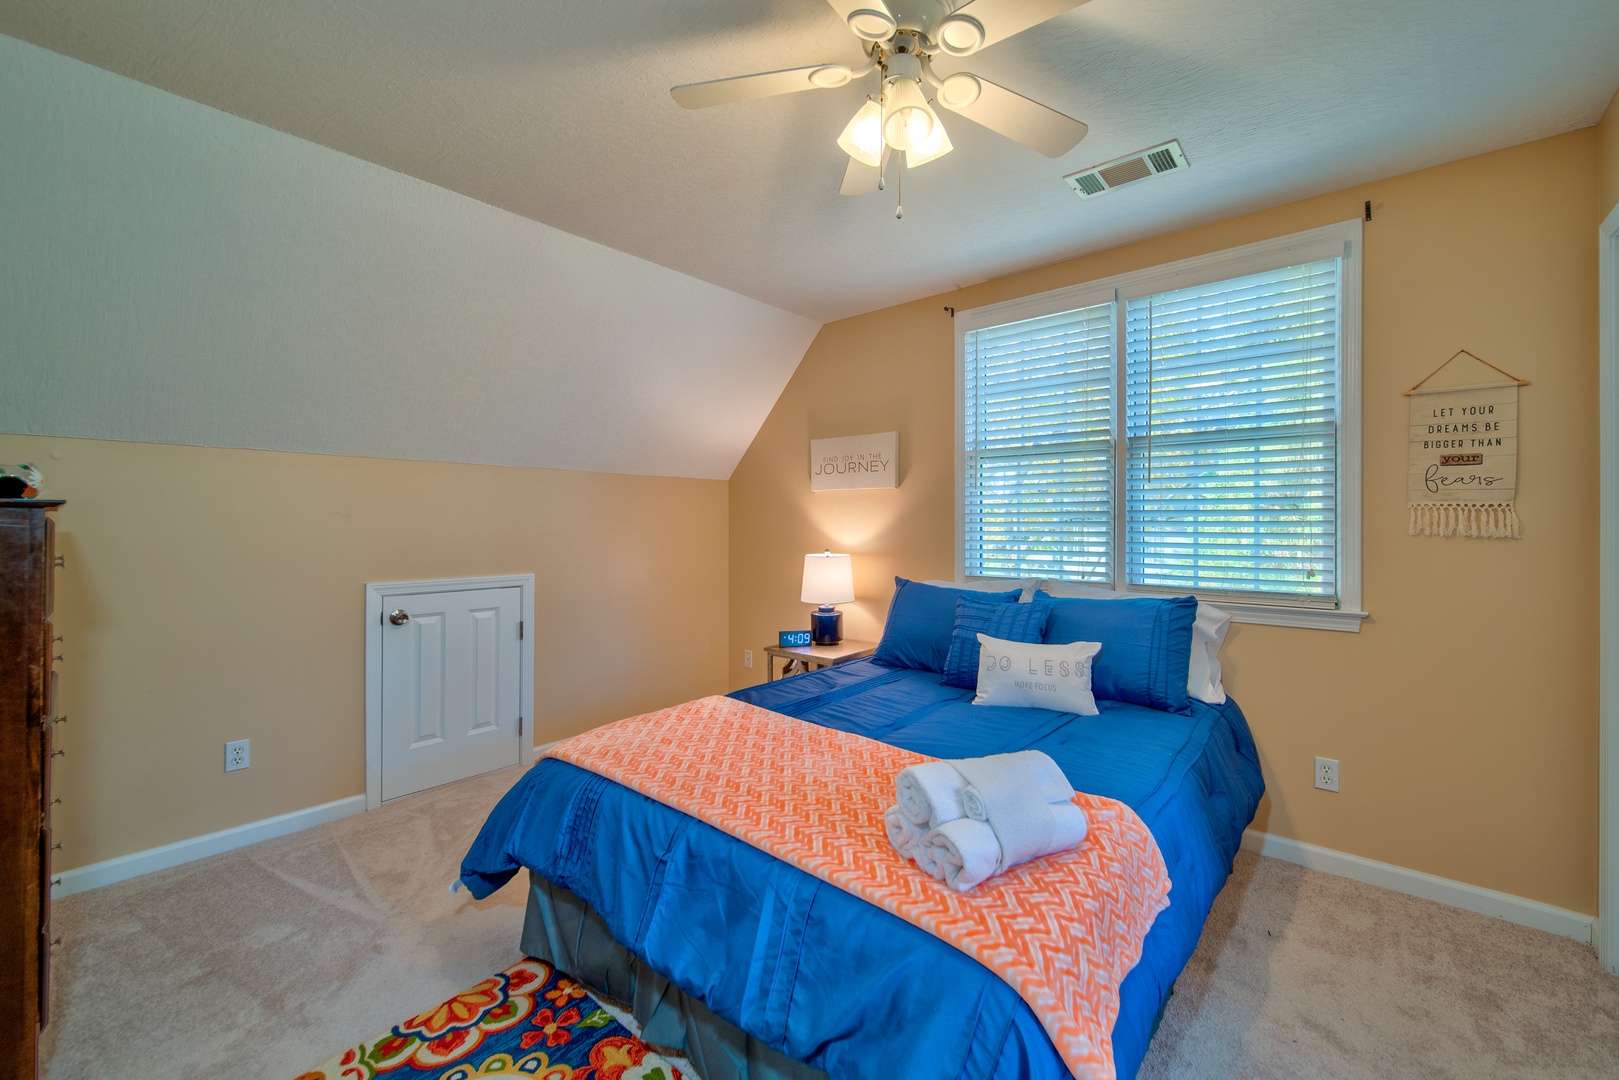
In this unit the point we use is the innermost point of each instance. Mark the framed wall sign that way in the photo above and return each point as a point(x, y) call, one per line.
point(1462, 478)
point(855, 461)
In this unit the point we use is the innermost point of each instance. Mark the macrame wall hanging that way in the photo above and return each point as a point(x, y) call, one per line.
point(1463, 478)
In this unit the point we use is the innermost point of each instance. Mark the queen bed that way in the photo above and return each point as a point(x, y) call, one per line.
point(756, 969)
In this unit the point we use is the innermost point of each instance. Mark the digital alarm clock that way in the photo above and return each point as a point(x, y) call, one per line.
point(788, 639)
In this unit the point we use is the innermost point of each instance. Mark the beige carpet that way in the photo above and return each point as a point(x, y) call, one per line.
point(267, 960)
point(1303, 974)
point(262, 962)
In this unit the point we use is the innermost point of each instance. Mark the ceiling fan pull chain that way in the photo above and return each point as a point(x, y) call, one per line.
point(899, 187)
point(882, 138)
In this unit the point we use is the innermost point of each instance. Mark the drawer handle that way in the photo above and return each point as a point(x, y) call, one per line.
point(57, 658)
point(55, 942)
point(56, 802)
point(59, 720)
point(58, 637)
point(56, 881)
point(58, 753)
point(61, 560)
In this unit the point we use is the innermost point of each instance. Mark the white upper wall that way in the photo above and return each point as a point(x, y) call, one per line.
point(170, 273)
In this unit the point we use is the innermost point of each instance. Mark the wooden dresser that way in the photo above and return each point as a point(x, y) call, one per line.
point(27, 565)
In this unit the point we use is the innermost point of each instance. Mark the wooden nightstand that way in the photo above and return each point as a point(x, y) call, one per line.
point(815, 656)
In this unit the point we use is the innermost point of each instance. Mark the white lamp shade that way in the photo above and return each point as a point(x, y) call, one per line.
point(909, 121)
point(936, 146)
point(828, 579)
point(863, 138)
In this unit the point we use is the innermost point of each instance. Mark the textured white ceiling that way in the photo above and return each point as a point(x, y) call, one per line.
point(170, 273)
point(560, 112)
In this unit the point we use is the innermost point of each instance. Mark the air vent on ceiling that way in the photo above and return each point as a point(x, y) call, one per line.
point(1100, 179)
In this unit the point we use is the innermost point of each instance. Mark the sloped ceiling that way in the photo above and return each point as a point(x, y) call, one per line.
point(560, 112)
point(173, 274)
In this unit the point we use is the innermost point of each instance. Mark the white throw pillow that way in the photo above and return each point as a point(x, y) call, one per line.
point(1208, 637)
point(1029, 676)
point(993, 585)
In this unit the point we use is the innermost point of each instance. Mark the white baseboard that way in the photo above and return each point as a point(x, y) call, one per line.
point(1517, 909)
point(161, 858)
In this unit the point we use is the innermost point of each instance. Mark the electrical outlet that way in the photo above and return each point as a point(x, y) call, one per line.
point(747, 658)
point(1326, 773)
point(236, 755)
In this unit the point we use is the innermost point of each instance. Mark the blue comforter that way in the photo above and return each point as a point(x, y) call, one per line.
point(831, 980)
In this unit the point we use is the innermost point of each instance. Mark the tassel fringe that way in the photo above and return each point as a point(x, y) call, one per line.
point(1494, 521)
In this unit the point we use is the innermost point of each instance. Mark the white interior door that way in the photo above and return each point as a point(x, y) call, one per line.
point(451, 686)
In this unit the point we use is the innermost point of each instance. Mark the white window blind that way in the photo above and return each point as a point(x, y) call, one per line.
point(1232, 411)
point(1037, 447)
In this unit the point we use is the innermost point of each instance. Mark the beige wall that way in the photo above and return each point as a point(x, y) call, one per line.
point(215, 594)
point(1464, 713)
point(1608, 160)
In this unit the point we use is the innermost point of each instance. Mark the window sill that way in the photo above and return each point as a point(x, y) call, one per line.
point(1303, 618)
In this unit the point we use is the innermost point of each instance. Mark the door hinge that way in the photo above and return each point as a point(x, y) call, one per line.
point(519, 726)
point(519, 629)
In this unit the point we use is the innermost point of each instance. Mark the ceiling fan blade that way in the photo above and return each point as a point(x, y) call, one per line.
point(845, 7)
point(701, 95)
point(1011, 114)
point(1003, 18)
point(861, 179)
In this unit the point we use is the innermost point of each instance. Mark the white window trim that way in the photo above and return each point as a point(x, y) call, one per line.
point(1340, 240)
point(1606, 936)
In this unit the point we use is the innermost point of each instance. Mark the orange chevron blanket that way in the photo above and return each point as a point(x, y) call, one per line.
point(1063, 931)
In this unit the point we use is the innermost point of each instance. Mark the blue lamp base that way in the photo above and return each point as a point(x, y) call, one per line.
point(826, 625)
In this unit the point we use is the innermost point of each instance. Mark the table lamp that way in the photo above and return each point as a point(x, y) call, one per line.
point(828, 580)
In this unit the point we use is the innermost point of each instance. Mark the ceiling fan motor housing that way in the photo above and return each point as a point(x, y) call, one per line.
point(921, 16)
point(902, 65)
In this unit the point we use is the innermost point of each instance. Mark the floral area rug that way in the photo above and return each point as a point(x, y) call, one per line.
point(527, 1021)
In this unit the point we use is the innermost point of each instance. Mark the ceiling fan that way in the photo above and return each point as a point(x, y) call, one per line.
point(901, 38)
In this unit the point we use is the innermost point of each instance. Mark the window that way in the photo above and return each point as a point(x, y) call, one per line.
point(1190, 428)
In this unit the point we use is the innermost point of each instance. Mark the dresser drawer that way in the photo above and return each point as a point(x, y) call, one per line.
point(49, 575)
point(47, 746)
point(44, 959)
point(47, 679)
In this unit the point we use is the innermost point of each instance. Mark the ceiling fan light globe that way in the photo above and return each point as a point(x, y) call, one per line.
point(937, 146)
point(961, 35)
point(959, 90)
point(909, 121)
point(831, 76)
point(862, 139)
point(871, 25)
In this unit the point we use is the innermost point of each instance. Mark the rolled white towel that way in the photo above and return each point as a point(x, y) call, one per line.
point(962, 853)
point(901, 833)
point(1069, 826)
point(1022, 821)
point(907, 840)
point(929, 794)
point(1004, 789)
point(1000, 772)
point(927, 858)
point(1054, 785)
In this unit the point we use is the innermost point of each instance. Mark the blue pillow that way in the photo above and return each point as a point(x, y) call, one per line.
point(921, 620)
point(1146, 645)
point(1009, 622)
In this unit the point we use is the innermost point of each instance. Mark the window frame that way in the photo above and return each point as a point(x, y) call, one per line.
point(1341, 240)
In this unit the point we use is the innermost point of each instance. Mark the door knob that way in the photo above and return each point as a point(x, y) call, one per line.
point(398, 617)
